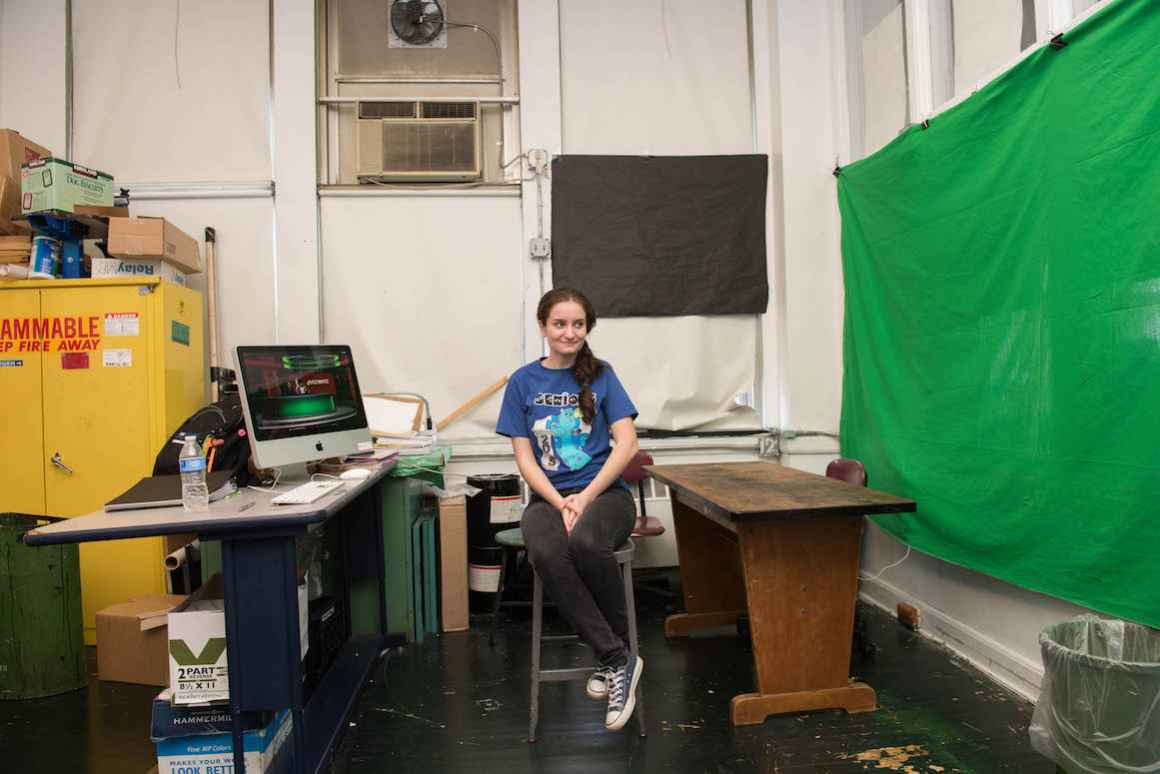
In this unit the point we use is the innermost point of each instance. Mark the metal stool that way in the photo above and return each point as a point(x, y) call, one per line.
point(511, 541)
point(623, 556)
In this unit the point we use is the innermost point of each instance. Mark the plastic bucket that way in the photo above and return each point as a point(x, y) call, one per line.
point(45, 257)
point(497, 507)
point(1099, 707)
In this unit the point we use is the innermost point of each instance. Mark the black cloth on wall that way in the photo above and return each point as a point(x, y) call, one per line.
point(656, 236)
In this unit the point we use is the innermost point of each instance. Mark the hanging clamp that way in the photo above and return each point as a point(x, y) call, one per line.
point(1058, 43)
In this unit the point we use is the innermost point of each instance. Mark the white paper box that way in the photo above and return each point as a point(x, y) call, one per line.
point(105, 268)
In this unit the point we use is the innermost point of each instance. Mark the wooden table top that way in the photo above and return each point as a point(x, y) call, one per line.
point(764, 490)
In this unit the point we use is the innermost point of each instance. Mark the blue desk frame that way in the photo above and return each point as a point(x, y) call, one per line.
point(261, 601)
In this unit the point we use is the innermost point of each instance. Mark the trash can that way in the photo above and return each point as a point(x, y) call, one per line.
point(42, 649)
point(1099, 708)
point(498, 506)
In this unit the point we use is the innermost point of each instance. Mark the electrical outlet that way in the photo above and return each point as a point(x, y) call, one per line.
point(540, 247)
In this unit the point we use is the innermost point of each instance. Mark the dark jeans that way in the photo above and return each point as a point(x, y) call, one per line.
point(578, 570)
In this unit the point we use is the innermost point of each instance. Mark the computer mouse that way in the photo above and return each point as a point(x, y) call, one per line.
point(354, 474)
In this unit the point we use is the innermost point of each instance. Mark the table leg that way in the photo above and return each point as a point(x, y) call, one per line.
point(262, 634)
point(801, 578)
point(711, 576)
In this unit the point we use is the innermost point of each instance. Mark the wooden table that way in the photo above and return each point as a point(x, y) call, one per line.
point(781, 545)
point(259, 570)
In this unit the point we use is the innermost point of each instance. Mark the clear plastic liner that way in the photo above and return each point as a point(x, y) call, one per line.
point(1099, 708)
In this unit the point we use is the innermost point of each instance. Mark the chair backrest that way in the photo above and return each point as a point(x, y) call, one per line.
point(850, 471)
point(634, 473)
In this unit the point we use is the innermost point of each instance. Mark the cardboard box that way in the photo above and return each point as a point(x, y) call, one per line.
point(15, 150)
point(10, 208)
point(215, 753)
point(48, 184)
point(116, 267)
point(198, 667)
point(132, 644)
point(156, 239)
point(175, 722)
point(453, 563)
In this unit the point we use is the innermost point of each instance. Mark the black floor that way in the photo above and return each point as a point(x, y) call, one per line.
point(103, 729)
point(454, 704)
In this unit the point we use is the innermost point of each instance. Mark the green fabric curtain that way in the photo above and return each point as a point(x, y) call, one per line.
point(1002, 331)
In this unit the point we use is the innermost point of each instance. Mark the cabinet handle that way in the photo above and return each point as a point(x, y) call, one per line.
point(56, 460)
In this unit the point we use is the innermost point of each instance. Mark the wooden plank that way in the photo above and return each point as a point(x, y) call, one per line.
point(767, 490)
point(710, 573)
point(471, 404)
point(802, 583)
point(749, 709)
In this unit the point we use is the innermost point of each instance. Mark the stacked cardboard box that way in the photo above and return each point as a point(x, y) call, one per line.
point(198, 668)
point(200, 738)
point(15, 150)
point(32, 180)
point(191, 719)
point(15, 249)
point(147, 247)
point(50, 184)
point(133, 646)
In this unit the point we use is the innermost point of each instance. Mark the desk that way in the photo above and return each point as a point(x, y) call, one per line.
point(261, 603)
point(782, 545)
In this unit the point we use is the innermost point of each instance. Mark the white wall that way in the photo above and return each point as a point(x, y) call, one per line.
point(427, 291)
point(245, 261)
point(185, 98)
point(32, 71)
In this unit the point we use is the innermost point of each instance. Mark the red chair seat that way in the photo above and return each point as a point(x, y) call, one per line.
point(651, 527)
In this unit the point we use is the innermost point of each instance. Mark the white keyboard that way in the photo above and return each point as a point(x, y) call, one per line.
point(306, 493)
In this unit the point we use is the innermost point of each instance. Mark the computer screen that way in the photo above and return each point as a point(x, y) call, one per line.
point(301, 403)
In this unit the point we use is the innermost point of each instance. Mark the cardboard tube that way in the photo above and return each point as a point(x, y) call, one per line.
point(190, 552)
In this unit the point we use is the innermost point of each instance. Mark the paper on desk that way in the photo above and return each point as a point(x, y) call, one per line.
point(392, 415)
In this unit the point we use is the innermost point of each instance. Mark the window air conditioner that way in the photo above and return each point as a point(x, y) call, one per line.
point(413, 141)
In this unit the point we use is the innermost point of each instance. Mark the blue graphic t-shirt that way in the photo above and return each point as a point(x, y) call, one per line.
point(543, 405)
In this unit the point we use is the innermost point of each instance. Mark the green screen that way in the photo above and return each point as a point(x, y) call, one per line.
point(1002, 333)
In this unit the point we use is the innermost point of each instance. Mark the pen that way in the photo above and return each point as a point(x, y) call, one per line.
point(246, 507)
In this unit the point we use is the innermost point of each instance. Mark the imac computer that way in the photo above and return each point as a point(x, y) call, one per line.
point(301, 403)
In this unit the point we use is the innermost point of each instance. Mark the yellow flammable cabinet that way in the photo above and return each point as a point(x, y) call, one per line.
point(95, 377)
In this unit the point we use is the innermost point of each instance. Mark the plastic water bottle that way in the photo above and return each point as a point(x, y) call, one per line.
point(194, 492)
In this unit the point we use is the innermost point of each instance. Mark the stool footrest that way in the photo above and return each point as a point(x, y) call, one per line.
point(560, 675)
point(559, 637)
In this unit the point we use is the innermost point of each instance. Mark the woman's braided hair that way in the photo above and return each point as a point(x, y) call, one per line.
point(587, 366)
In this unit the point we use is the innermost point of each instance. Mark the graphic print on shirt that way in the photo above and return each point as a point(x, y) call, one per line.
point(561, 438)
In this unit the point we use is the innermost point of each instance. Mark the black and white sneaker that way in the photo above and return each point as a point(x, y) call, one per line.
point(597, 687)
point(622, 682)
